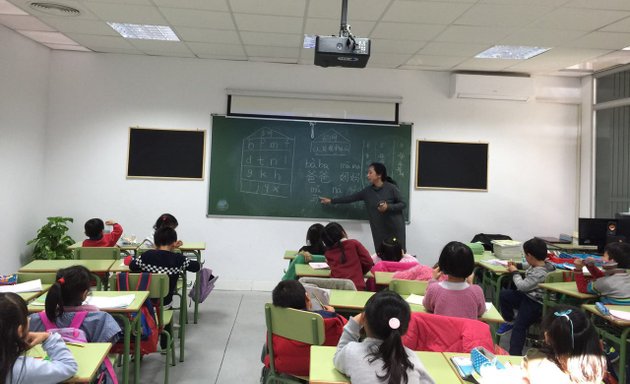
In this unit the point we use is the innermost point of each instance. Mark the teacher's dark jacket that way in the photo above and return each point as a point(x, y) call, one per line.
point(390, 223)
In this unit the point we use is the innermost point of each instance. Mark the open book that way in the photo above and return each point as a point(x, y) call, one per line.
point(315, 265)
point(28, 286)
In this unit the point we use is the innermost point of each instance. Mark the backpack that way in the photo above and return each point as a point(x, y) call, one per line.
point(486, 239)
point(148, 323)
point(74, 334)
point(205, 286)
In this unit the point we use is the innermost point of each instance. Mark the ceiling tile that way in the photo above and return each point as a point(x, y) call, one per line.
point(269, 7)
point(502, 15)
point(550, 3)
point(134, 2)
point(563, 57)
point(424, 12)
point(387, 60)
point(272, 39)
point(203, 35)
point(579, 19)
point(124, 13)
point(315, 26)
point(262, 51)
point(198, 19)
point(273, 59)
point(395, 46)
point(370, 10)
point(406, 31)
point(48, 37)
point(453, 49)
point(117, 50)
point(208, 5)
point(469, 34)
point(221, 57)
point(30, 23)
point(606, 40)
point(67, 47)
point(435, 61)
point(263, 23)
point(535, 37)
point(484, 65)
point(620, 26)
point(89, 27)
point(103, 42)
point(85, 13)
point(600, 4)
point(216, 50)
point(156, 45)
point(7, 8)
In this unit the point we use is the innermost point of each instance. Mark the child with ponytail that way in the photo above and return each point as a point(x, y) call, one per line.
point(347, 258)
point(381, 357)
point(15, 368)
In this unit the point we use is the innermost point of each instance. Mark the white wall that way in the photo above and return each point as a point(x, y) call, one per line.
point(23, 106)
point(94, 98)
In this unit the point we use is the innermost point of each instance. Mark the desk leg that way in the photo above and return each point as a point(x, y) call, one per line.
point(183, 317)
point(198, 287)
point(546, 301)
point(623, 349)
point(498, 288)
point(127, 345)
point(137, 355)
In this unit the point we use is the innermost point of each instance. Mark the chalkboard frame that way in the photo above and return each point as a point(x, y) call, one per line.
point(478, 165)
point(199, 145)
point(338, 212)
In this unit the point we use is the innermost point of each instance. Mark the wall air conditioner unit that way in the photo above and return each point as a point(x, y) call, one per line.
point(473, 86)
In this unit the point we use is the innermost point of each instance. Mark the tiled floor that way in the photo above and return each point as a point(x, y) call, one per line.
point(224, 347)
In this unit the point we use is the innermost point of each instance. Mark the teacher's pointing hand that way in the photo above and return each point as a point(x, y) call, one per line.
point(325, 200)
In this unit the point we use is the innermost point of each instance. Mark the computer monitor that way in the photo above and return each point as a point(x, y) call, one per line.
point(600, 232)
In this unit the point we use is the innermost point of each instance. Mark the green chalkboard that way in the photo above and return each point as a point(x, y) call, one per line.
point(264, 167)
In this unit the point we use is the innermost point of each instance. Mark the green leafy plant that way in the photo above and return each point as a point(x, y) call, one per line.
point(52, 241)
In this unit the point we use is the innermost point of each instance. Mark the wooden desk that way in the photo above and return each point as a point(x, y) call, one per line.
point(123, 314)
point(572, 247)
point(568, 288)
point(322, 369)
point(305, 270)
point(383, 278)
point(615, 330)
point(123, 247)
point(194, 249)
point(354, 301)
point(89, 357)
point(513, 360)
point(493, 275)
point(30, 296)
point(96, 266)
point(290, 255)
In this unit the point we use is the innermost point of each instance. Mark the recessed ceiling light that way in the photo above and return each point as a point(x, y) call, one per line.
point(511, 52)
point(144, 32)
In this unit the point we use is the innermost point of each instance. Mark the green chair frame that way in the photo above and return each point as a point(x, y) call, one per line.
point(97, 253)
point(158, 289)
point(303, 326)
point(408, 287)
point(45, 277)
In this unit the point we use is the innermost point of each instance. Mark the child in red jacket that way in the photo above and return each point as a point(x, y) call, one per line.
point(347, 258)
point(293, 357)
point(94, 230)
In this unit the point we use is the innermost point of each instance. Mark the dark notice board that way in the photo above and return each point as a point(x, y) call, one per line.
point(280, 168)
point(161, 153)
point(445, 165)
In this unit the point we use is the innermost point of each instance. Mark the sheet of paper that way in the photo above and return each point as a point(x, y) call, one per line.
point(488, 306)
point(315, 265)
point(28, 286)
point(110, 302)
point(620, 314)
point(497, 262)
point(415, 299)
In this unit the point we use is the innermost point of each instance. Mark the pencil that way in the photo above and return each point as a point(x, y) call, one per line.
point(318, 300)
point(75, 344)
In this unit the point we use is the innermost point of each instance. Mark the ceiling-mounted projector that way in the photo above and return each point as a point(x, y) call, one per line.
point(344, 50)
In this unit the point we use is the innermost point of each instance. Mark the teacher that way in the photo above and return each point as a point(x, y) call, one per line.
point(384, 206)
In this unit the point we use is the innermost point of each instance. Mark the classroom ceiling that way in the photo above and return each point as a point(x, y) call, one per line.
point(438, 35)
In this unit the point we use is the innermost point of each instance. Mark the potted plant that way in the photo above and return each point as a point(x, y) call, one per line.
point(52, 240)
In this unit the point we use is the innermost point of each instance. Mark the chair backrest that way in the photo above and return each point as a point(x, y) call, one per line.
point(158, 289)
point(45, 277)
point(97, 253)
point(559, 276)
point(303, 326)
point(407, 287)
point(329, 283)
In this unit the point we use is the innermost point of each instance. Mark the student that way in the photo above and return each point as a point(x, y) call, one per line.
point(17, 339)
point(164, 260)
point(457, 296)
point(381, 357)
point(391, 250)
point(347, 258)
point(527, 297)
point(65, 299)
point(312, 251)
point(293, 357)
point(383, 203)
point(572, 352)
point(165, 220)
point(613, 285)
point(96, 238)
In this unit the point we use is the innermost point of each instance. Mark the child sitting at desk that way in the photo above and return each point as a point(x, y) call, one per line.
point(613, 285)
point(312, 251)
point(347, 258)
point(17, 339)
point(391, 250)
point(456, 296)
point(293, 357)
point(165, 220)
point(94, 230)
point(527, 297)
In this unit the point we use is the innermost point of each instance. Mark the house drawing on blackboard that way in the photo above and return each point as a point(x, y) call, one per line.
point(330, 143)
point(267, 163)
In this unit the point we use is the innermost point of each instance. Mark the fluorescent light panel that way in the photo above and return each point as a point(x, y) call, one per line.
point(144, 32)
point(511, 52)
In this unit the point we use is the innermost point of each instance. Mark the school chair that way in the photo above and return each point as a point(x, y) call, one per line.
point(97, 253)
point(407, 287)
point(329, 283)
point(302, 326)
point(45, 277)
point(158, 289)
